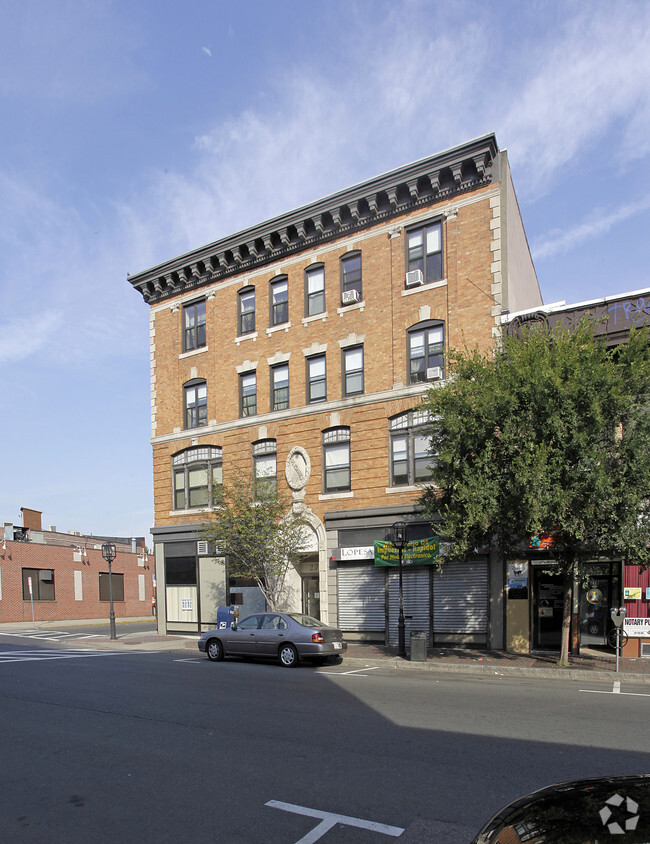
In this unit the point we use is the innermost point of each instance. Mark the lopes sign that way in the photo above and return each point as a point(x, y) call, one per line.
point(419, 552)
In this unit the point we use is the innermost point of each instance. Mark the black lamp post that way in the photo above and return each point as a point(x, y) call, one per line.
point(109, 553)
point(400, 540)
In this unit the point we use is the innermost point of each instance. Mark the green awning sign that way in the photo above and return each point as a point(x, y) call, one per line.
point(419, 552)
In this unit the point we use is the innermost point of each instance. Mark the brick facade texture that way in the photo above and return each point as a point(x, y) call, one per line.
point(464, 303)
point(14, 607)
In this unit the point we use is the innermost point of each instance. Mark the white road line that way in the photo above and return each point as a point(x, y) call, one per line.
point(623, 694)
point(330, 819)
point(190, 659)
point(356, 671)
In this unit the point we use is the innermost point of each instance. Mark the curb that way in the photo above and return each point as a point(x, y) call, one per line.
point(491, 671)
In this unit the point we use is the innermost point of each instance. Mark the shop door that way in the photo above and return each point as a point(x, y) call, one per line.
point(310, 597)
point(547, 611)
point(595, 603)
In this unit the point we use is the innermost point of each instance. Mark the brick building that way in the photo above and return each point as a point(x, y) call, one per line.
point(300, 349)
point(63, 576)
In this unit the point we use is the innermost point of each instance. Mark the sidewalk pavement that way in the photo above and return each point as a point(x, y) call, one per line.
point(592, 664)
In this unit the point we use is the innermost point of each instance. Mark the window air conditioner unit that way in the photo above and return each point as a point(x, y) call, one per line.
point(202, 548)
point(414, 278)
point(434, 373)
point(350, 296)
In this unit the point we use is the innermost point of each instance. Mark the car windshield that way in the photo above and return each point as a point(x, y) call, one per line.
point(306, 620)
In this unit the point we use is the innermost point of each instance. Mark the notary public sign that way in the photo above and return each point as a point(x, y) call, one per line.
point(637, 627)
point(419, 552)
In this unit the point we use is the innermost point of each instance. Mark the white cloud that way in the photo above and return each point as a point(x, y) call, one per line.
point(207, 51)
point(415, 82)
point(601, 221)
point(594, 77)
point(23, 337)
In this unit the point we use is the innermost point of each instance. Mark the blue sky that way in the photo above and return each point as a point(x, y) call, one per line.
point(133, 130)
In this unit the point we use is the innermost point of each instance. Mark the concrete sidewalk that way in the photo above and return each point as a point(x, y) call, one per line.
point(592, 664)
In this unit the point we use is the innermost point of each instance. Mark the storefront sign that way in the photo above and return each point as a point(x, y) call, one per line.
point(637, 627)
point(419, 552)
point(364, 552)
point(632, 593)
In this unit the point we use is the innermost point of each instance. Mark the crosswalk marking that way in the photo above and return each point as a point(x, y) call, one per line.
point(70, 653)
point(49, 635)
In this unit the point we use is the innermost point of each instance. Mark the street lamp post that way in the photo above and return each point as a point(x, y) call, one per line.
point(400, 540)
point(109, 553)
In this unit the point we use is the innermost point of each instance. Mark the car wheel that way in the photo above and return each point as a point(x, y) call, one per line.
point(594, 629)
point(214, 650)
point(288, 656)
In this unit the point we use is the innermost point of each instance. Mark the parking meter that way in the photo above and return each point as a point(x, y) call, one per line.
point(618, 617)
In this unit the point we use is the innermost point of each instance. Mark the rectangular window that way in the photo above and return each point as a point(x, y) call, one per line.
point(400, 464)
point(351, 278)
point(180, 571)
point(280, 387)
point(194, 326)
point(409, 447)
point(247, 311)
point(315, 290)
point(41, 582)
point(279, 301)
point(336, 459)
point(424, 251)
point(353, 371)
point(248, 394)
point(105, 584)
point(426, 354)
point(316, 379)
point(196, 405)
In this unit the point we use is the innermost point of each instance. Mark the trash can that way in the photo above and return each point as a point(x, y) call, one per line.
point(418, 646)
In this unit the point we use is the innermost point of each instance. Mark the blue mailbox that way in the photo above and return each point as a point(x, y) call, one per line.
point(226, 616)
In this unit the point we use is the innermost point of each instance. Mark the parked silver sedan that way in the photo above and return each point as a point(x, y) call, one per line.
point(287, 637)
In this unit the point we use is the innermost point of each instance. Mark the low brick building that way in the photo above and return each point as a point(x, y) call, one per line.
point(46, 575)
point(300, 349)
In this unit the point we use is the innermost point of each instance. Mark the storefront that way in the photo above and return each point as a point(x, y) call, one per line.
point(452, 606)
point(535, 605)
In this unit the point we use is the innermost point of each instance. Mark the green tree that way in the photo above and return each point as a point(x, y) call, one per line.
point(255, 528)
point(549, 436)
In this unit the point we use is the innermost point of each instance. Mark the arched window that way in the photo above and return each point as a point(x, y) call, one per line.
point(279, 300)
point(314, 290)
point(351, 290)
point(246, 311)
point(426, 349)
point(197, 476)
point(195, 400)
point(336, 460)
point(265, 475)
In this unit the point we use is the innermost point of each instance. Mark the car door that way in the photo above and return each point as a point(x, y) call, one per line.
point(272, 632)
point(242, 640)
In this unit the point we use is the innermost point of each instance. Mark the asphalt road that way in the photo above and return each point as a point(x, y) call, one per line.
point(168, 747)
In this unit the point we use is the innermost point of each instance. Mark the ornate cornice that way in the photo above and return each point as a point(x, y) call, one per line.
point(424, 182)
